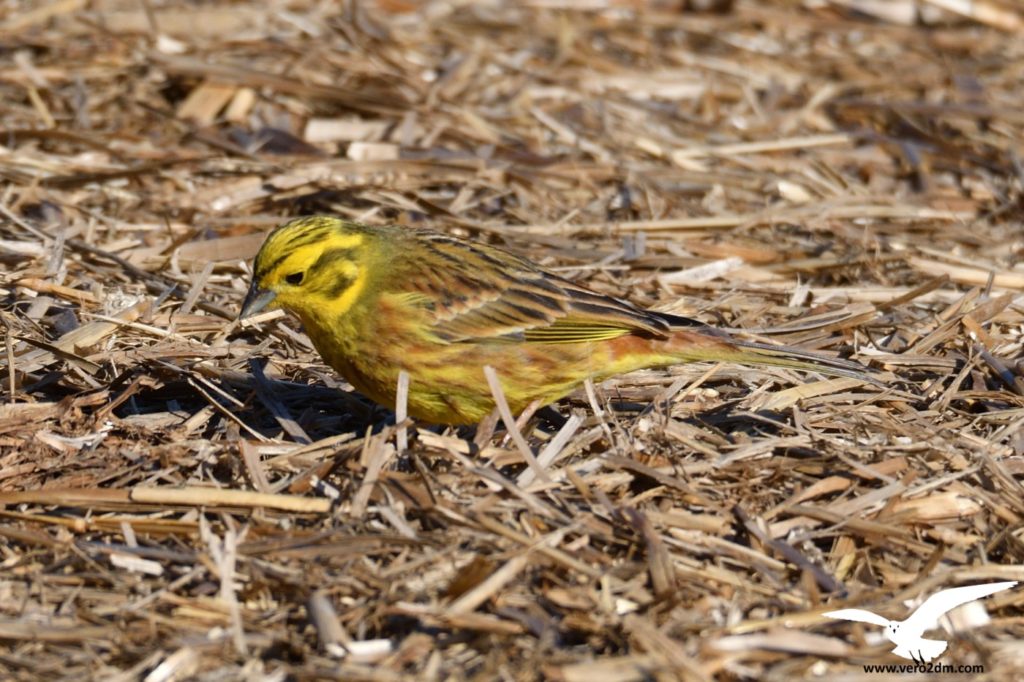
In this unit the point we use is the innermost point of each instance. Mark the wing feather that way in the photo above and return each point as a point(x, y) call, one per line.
point(488, 294)
point(934, 607)
point(858, 615)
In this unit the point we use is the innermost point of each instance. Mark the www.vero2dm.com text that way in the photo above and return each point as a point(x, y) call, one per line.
point(940, 668)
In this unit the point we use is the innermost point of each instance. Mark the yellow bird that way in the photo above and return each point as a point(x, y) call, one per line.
point(376, 300)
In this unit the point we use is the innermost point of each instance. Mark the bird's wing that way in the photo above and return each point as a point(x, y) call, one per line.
point(927, 614)
point(477, 292)
point(859, 615)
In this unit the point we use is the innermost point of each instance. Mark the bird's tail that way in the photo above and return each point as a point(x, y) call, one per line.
point(922, 650)
point(715, 345)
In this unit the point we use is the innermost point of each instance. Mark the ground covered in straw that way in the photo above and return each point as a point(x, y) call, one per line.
point(185, 497)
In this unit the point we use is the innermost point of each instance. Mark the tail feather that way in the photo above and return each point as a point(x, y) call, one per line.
point(923, 650)
point(724, 346)
point(787, 356)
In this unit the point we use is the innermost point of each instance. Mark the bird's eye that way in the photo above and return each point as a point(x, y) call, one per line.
point(295, 278)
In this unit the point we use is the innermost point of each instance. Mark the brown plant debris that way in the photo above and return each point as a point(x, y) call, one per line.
point(186, 497)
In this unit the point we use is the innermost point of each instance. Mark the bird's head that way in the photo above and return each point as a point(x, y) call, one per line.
point(308, 265)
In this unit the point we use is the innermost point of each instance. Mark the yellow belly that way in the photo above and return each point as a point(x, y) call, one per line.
point(447, 384)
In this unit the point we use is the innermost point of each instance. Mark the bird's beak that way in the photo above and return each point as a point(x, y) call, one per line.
point(256, 300)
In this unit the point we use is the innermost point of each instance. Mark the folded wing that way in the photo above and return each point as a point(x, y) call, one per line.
point(479, 293)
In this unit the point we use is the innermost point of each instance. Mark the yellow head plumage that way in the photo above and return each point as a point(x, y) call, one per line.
point(309, 262)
